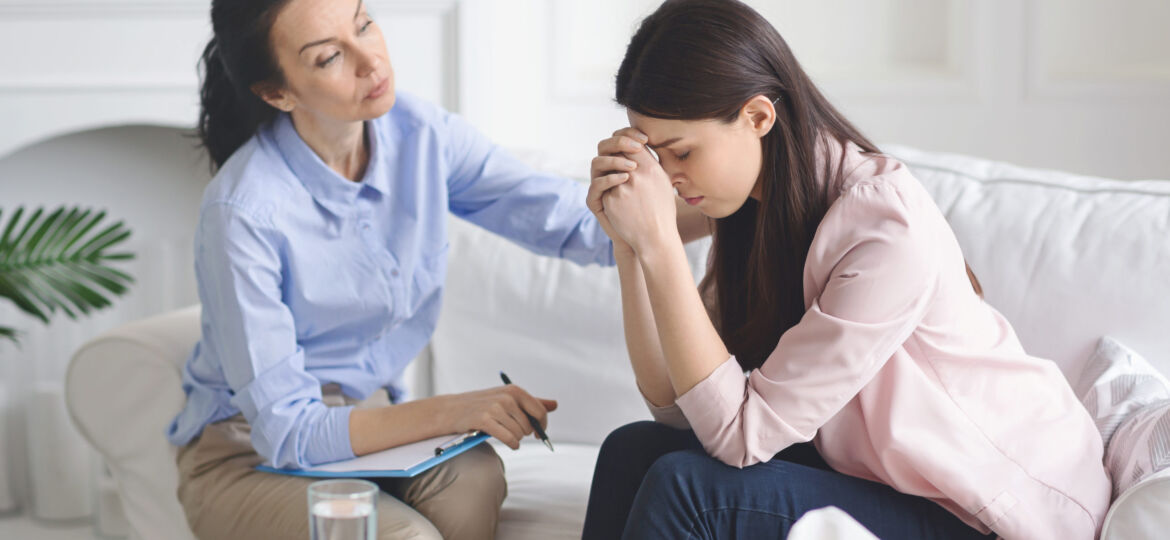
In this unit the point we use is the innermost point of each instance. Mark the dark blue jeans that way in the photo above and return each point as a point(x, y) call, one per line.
point(653, 481)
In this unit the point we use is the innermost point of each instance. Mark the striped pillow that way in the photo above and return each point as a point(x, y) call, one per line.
point(1140, 447)
point(1130, 401)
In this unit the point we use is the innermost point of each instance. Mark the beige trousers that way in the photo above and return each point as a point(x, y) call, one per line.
point(225, 498)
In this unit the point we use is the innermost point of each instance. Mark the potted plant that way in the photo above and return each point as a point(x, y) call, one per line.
point(60, 261)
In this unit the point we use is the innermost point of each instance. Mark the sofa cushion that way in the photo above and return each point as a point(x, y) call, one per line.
point(1066, 258)
point(553, 326)
point(547, 491)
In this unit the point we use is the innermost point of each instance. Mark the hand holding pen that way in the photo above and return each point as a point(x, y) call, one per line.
point(535, 425)
point(499, 411)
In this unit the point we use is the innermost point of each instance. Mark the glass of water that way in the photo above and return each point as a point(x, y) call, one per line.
point(343, 510)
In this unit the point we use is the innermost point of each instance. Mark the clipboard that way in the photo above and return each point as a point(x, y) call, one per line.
point(404, 461)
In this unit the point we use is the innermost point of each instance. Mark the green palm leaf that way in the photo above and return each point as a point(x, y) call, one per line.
point(56, 261)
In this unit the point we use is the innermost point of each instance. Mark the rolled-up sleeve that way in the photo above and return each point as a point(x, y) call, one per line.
point(881, 272)
point(246, 324)
point(670, 415)
point(544, 213)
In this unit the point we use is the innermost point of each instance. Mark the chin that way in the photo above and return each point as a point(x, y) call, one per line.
point(717, 212)
point(379, 107)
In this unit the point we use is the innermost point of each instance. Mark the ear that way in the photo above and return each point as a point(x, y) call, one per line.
point(758, 115)
point(274, 95)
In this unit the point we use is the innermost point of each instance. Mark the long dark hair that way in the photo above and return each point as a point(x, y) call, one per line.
point(704, 59)
point(238, 56)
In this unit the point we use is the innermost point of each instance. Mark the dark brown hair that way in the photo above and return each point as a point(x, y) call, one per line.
point(238, 56)
point(704, 59)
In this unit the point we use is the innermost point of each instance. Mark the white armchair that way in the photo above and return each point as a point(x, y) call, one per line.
point(123, 388)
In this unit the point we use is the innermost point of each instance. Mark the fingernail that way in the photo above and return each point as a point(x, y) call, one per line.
point(643, 137)
point(631, 164)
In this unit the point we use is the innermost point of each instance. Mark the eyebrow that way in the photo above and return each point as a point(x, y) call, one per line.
point(327, 40)
point(667, 142)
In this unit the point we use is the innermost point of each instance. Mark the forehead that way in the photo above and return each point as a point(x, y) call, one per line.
point(302, 21)
point(661, 129)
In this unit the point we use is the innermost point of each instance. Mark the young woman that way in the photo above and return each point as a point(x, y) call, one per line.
point(320, 257)
point(837, 285)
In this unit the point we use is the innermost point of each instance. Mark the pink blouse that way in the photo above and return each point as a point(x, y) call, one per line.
point(899, 373)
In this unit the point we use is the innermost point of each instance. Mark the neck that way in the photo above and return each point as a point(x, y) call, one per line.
point(341, 145)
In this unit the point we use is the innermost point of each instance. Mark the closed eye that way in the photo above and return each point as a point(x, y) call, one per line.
point(327, 61)
point(365, 27)
point(683, 156)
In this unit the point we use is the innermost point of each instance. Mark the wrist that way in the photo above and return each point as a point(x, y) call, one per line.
point(659, 248)
point(439, 408)
point(623, 252)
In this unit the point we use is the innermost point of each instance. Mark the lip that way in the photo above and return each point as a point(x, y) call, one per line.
point(694, 200)
point(379, 89)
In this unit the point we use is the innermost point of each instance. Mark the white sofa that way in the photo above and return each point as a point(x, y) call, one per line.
point(1067, 259)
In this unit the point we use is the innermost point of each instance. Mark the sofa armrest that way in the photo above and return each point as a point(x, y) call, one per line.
point(122, 389)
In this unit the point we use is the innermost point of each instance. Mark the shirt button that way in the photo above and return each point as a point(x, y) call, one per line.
point(365, 226)
point(394, 273)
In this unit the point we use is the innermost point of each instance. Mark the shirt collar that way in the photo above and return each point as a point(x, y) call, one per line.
point(328, 188)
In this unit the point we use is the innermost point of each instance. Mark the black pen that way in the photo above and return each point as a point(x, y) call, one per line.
point(531, 420)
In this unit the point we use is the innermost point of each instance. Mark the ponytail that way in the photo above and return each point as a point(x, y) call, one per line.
point(237, 57)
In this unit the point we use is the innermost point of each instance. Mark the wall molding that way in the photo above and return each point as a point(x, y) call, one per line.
point(89, 84)
point(42, 9)
point(959, 80)
point(11, 10)
point(122, 8)
point(40, 103)
point(1043, 84)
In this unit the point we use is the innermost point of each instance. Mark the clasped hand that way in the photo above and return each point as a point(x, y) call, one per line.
point(631, 194)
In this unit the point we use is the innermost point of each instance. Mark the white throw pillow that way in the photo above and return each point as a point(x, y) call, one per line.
point(1130, 402)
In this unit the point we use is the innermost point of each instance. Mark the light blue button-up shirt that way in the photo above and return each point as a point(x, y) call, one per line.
point(307, 278)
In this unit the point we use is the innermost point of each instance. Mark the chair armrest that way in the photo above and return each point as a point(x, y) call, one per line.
point(122, 390)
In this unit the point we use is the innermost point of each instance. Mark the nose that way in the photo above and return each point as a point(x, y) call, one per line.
point(368, 62)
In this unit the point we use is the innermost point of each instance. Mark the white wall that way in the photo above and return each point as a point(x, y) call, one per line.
point(1078, 85)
